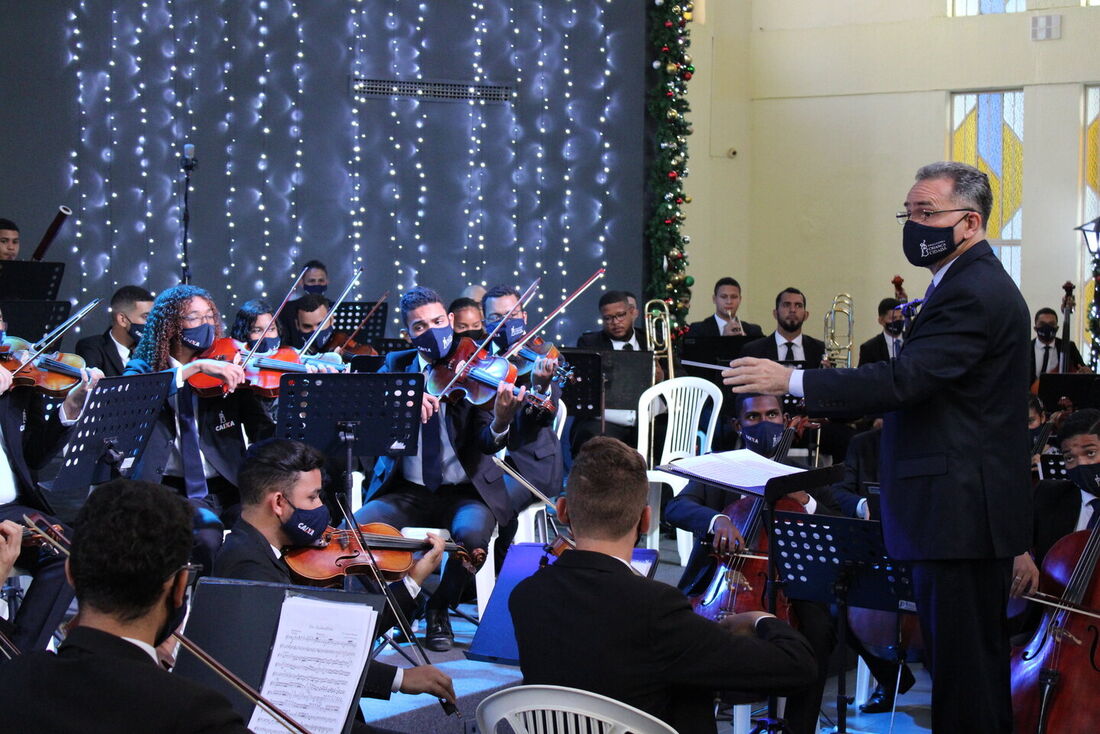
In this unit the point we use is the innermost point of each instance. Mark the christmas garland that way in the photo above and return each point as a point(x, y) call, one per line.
point(668, 107)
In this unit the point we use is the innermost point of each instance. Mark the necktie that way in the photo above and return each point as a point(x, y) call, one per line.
point(897, 346)
point(1046, 360)
point(1095, 505)
point(431, 453)
point(790, 352)
point(628, 347)
point(194, 478)
point(931, 287)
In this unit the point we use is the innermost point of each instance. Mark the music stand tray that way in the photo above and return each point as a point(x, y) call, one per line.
point(350, 313)
point(583, 395)
point(382, 411)
point(24, 280)
point(113, 430)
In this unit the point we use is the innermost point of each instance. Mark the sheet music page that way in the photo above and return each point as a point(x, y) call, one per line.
point(741, 468)
point(321, 648)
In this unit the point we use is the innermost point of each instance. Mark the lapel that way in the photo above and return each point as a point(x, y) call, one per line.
point(961, 263)
point(257, 539)
point(112, 352)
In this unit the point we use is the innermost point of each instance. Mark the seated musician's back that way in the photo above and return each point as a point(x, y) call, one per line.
point(589, 621)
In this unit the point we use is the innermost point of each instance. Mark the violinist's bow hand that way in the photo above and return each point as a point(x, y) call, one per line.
point(506, 405)
point(11, 545)
point(228, 372)
point(74, 401)
point(1025, 576)
point(428, 679)
point(429, 406)
point(5, 380)
point(429, 561)
point(743, 623)
point(727, 538)
point(749, 374)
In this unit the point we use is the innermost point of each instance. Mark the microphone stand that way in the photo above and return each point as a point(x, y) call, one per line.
point(187, 163)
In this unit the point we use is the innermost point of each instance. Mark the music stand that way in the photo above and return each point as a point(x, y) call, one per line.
point(350, 313)
point(30, 281)
point(32, 319)
point(626, 374)
point(1082, 390)
point(367, 362)
point(1053, 466)
point(385, 346)
point(584, 395)
point(713, 350)
point(842, 560)
point(113, 430)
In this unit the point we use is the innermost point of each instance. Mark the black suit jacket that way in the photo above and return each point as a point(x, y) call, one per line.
point(471, 439)
point(100, 351)
point(1073, 358)
point(766, 348)
point(220, 420)
point(874, 349)
point(1057, 507)
point(101, 683)
point(600, 340)
point(588, 622)
point(709, 327)
point(535, 450)
point(247, 555)
point(954, 467)
point(31, 439)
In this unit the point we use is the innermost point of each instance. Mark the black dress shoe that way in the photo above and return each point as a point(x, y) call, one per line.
point(439, 638)
point(882, 699)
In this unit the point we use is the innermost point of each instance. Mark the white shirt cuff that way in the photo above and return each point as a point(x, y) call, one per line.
point(794, 386)
point(810, 507)
point(179, 378)
point(398, 679)
point(861, 508)
point(66, 421)
point(756, 623)
point(412, 586)
point(710, 528)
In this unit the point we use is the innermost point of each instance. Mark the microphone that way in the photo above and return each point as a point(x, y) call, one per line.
point(188, 162)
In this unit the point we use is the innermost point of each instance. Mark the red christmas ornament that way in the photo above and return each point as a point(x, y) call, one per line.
point(668, 221)
point(668, 24)
point(673, 174)
point(664, 49)
point(687, 75)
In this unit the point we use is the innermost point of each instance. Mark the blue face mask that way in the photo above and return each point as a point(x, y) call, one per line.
point(512, 331)
point(305, 527)
point(176, 616)
point(267, 344)
point(315, 289)
point(762, 438)
point(321, 340)
point(136, 331)
point(199, 338)
point(435, 343)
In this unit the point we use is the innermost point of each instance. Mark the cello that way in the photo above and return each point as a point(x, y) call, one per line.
point(1068, 304)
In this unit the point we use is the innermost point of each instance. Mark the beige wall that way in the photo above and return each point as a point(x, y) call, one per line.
point(831, 106)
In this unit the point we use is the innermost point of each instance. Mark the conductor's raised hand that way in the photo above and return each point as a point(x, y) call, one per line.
point(749, 374)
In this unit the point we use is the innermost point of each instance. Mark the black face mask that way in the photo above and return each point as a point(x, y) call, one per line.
point(1046, 333)
point(478, 335)
point(1086, 477)
point(175, 619)
point(1033, 436)
point(925, 246)
point(135, 331)
point(894, 328)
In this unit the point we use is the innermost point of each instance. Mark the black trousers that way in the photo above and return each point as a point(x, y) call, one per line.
point(49, 595)
point(961, 604)
point(457, 507)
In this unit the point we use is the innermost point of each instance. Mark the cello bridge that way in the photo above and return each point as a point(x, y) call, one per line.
point(1061, 633)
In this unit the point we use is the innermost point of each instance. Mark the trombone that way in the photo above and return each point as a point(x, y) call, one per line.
point(838, 344)
point(658, 335)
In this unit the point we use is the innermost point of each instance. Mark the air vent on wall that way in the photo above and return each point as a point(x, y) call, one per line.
point(437, 91)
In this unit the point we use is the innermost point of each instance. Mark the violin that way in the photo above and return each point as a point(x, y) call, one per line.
point(1056, 675)
point(470, 372)
point(263, 371)
point(538, 348)
point(344, 343)
point(338, 554)
point(36, 529)
point(53, 374)
point(739, 582)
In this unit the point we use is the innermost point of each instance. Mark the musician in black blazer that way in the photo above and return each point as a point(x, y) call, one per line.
point(885, 345)
point(589, 621)
point(724, 321)
point(281, 485)
point(30, 440)
point(790, 313)
point(956, 495)
point(111, 350)
point(1047, 347)
point(128, 554)
point(452, 481)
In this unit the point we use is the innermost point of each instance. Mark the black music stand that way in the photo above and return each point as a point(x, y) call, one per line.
point(385, 346)
point(22, 280)
point(1053, 466)
point(350, 313)
point(841, 560)
point(584, 395)
point(367, 362)
point(31, 319)
point(112, 432)
point(713, 350)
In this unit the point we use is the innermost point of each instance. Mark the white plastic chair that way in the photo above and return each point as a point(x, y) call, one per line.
point(685, 398)
point(561, 710)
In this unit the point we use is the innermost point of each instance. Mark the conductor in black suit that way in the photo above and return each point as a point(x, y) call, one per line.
point(590, 621)
point(956, 494)
point(111, 350)
point(724, 321)
point(787, 342)
point(885, 345)
point(1047, 348)
point(281, 485)
point(128, 566)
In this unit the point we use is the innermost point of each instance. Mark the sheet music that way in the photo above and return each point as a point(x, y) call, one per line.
point(321, 648)
point(742, 468)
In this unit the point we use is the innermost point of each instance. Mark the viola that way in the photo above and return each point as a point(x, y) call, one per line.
point(263, 371)
point(1055, 676)
point(473, 374)
point(53, 374)
point(339, 554)
point(538, 348)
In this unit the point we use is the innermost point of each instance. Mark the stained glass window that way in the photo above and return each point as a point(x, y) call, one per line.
point(987, 131)
point(990, 7)
point(1092, 153)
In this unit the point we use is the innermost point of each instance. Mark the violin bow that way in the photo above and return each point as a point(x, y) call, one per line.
point(274, 316)
point(514, 349)
point(339, 301)
point(403, 623)
point(40, 346)
point(280, 716)
point(375, 307)
point(527, 294)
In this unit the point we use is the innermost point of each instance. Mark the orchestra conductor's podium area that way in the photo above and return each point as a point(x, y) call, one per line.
point(474, 680)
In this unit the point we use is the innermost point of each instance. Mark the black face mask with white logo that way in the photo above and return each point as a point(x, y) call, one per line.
point(925, 246)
